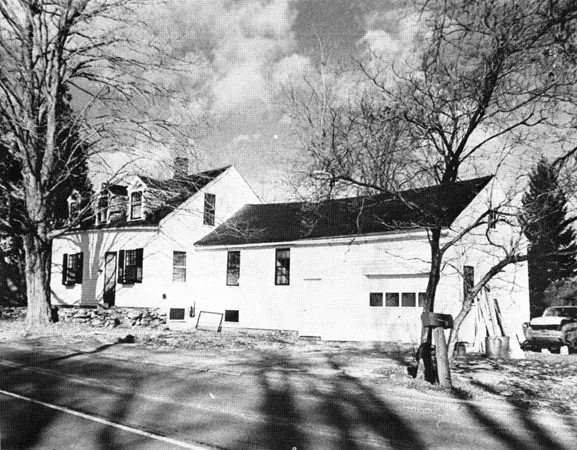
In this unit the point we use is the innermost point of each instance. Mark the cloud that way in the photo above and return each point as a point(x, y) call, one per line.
point(291, 69)
point(390, 39)
point(382, 44)
point(242, 138)
point(238, 42)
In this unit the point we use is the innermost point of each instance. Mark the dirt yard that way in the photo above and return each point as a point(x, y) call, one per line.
point(537, 381)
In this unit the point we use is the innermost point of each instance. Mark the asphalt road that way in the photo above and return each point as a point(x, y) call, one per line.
point(126, 400)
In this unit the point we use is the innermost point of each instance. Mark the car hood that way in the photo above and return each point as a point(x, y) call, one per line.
point(548, 320)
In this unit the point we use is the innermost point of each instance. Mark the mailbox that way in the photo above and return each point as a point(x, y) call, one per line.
point(434, 320)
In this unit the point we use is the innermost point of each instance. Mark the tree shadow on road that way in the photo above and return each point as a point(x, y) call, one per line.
point(344, 411)
point(534, 434)
point(26, 424)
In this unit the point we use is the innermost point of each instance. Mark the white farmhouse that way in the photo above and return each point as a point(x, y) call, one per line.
point(204, 247)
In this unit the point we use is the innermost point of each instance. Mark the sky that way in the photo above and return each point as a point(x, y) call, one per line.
point(239, 54)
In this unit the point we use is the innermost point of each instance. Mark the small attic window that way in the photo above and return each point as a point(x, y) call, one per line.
point(136, 205)
point(209, 209)
point(102, 208)
point(74, 205)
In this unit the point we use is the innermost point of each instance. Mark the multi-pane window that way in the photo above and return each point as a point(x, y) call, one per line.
point(233, 268)
point(101, 216)
point(398, 299)
point(136, 205)
point(376, 299)
point(392, 299)
point(72, 269)
point(74, 201)
point(179, 266)
point(130, 266)
point(282, 266)
point(209, 208)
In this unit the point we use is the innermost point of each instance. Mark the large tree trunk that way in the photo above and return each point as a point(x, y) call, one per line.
point(424, 355)
point(38, 259)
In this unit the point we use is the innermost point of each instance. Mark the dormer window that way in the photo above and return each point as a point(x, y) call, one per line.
point(102, 209)
point(73, 205)
point(136, 205)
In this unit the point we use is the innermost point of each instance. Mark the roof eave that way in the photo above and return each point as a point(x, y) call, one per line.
point(413, 234)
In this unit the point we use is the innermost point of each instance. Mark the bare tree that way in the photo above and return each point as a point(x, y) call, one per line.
point(491, 74)
point(96, 52)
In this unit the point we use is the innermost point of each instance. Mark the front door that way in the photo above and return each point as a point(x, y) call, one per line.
point(109, 278)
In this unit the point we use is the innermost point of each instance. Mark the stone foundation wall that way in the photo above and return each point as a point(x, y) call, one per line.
point(106, 318)
point(113, 317)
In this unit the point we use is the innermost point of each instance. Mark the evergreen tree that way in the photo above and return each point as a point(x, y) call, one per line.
point(552, 252)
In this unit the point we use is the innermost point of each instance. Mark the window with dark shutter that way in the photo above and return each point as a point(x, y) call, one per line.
point(72, 266)
point(102, 212)
point(79, 268)
point(121, 266)
point(139, 254)
point(130, 266)
point(65, 269)
point(233, 268)
point(282, 267)
point(209, 209)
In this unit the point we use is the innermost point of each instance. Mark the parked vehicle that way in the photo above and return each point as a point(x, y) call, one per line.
point(557, 327)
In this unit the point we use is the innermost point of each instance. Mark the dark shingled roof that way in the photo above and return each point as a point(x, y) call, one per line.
point(286, 222)
point(170, 194)
point(178, 190)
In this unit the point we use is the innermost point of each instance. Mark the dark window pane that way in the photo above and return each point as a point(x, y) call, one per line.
point(392, 299)
point(422, 296)
point(179, 259)
point(231, 315)
point(376, 299)
point(179, 266)
point(209, 208)
point(72, 269)
point(136, 205)
point(408, 299)
point(130, 257)
point(233, 268)
point(132, 266)
point(176, 314)
point(282, 267)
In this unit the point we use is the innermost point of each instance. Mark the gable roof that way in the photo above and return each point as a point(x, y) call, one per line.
point(169, 194)
point(381, 213)
point(175, 191)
